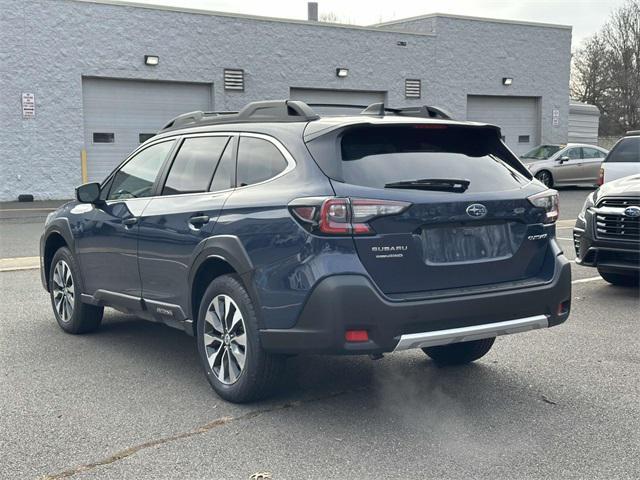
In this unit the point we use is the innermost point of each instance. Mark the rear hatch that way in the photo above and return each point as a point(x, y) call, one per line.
point(468, 219)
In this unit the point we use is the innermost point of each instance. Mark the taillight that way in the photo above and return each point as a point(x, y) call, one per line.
point(343, 216)
point(601, 176)
point(548, 200)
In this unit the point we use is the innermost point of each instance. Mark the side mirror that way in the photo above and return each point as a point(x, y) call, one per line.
point(563, 159)
point(88, 193)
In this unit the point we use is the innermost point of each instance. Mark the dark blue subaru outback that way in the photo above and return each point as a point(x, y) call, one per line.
point(275, 231)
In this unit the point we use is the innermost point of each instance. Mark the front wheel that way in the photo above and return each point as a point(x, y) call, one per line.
point(72, 315)
point(237, 367)
point(621, 279)
point(459, 353)
point(545, 177)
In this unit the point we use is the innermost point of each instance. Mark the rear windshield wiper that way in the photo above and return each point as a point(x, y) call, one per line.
point(436, 184)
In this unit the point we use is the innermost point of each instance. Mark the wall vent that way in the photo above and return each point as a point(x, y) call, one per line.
point(412, 88)
point(234, 79)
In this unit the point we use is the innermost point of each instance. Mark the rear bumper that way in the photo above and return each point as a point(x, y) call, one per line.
point(351, 302)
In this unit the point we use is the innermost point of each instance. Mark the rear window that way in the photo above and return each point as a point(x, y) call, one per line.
point(626, 150)
point(374, 156)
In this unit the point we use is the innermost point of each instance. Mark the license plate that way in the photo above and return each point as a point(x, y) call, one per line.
point(462, 243)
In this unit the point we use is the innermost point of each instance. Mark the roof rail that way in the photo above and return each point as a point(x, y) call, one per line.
point(379, 109)
point(267, 111)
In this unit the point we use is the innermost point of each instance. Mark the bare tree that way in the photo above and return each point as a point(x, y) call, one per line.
point(589, 76)
point(332, 17)
point(606, 70)
point(622, 38)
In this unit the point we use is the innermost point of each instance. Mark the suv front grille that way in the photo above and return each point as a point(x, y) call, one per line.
point(612, 223)
point(617, 227)
point(619, 202)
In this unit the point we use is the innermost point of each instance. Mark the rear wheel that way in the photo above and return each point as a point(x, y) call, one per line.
point(72, 315)
point(621, 279)
point(545, 177)
point(459, 353)
point(237, 367)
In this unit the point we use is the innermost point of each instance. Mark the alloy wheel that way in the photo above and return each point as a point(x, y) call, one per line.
point(63, 291)
point(225, 339)
point(545, 178)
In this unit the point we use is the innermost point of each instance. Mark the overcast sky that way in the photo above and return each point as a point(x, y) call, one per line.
point(586, 16)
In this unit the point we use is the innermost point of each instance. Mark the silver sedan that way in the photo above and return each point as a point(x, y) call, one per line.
point(570, 164)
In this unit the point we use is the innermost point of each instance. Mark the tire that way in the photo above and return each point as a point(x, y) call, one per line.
point(65, 288)
point(459, 353)
point(620, 279)
point(238, 373)
point(545, 177)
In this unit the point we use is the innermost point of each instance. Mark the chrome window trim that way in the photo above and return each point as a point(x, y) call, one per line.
point(291, 163)
point(179, 138)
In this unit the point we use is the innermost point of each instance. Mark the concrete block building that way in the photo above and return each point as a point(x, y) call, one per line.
point(83, 82)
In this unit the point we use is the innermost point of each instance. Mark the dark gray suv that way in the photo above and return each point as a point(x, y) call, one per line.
point(275, 231)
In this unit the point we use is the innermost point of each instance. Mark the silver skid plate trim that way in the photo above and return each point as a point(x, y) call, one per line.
point(474, 332)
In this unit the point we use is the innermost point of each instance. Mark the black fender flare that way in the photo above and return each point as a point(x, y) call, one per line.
point(228, 248)
point(59, 226)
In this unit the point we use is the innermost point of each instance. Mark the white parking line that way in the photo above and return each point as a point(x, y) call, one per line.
point(19, 263)
point(587, 280)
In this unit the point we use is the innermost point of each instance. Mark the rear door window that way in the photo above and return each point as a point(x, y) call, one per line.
point(378, 156)
point(627, 150)
point(194, 164)
point(591, 153)
point(258, 160)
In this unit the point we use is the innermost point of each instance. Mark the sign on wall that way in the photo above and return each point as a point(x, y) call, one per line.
point(28, 105)
point(556, 117)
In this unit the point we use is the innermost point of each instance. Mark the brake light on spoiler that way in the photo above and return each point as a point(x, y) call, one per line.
point(343, 216)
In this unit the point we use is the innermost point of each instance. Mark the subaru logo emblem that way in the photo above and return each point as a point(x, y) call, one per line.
point(632, 212)
point(476, 210)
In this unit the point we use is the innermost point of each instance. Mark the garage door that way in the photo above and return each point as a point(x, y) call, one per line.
point(120, 114)
point(335, 96)
point(518, 118)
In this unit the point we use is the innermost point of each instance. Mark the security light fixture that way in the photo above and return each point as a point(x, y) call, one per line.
point(342, 72)
point(506, 81)
point(151, 60)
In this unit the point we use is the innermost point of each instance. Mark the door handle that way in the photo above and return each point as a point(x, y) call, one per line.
point(199, 221)
point(129, 222)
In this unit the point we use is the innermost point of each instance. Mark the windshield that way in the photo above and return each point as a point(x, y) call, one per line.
point(542, 152)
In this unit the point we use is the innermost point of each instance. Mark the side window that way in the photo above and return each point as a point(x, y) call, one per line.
point(135, 179)
point(223, 179)
point(258, 160)
point(591, 153)
point(194, 165)
point(574, 153)
point(626, 150)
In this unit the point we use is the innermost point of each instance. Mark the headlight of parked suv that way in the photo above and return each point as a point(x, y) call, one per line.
point(588, 203)
point(548, 200)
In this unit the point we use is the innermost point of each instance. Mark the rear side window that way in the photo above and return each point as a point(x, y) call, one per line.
point(377, 156)
point(627, 150)
point(258, 160)
point(194, 165)
point(591, 153)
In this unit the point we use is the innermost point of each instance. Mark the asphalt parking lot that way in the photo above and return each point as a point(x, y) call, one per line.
point(130, 401)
